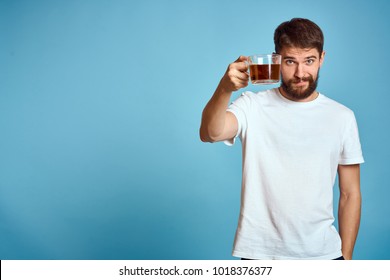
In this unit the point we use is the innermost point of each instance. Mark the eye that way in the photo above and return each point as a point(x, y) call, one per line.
point(289, 62)
point(310, 61)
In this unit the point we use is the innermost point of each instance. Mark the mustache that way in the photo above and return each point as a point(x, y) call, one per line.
point(304, 79)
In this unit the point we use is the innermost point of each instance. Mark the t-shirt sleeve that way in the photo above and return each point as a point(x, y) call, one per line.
point(239, 109)
point(351, 149)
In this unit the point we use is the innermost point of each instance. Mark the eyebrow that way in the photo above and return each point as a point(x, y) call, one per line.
point(293, 58)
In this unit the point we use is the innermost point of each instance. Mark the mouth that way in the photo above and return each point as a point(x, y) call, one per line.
point(300, 83)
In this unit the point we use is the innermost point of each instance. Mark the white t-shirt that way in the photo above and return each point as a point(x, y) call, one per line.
point(291, 151)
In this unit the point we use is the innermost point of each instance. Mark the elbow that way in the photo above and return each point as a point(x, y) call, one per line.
point(203, 138)
point(206, 137)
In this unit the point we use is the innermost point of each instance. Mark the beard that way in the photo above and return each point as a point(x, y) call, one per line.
point(300, 93)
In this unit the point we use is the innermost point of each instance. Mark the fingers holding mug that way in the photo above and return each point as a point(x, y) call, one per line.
point(236, 75)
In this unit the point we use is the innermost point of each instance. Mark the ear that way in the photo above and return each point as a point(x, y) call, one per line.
point(322, 58)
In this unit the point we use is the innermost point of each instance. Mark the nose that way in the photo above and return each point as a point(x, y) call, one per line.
point(299, 71)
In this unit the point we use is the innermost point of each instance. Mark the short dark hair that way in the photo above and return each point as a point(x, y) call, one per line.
point(298, 33)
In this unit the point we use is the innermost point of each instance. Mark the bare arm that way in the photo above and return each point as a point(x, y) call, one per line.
point(218, 124)
point(349, 207)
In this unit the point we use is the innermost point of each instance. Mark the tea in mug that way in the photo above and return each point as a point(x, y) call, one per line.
point(264, 68)
point(264, 73)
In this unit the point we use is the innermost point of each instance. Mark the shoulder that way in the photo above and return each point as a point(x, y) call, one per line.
point(337, 108)
point(249, 97)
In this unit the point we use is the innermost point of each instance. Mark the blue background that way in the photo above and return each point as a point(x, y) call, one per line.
point(100, 106)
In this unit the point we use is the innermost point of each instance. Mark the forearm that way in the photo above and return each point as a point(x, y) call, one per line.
point(349, 221)
point(213, 117)
point(216, 124)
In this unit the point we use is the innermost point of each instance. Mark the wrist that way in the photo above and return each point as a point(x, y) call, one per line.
point(222, 90)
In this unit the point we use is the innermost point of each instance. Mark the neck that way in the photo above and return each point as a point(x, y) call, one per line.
point(311, 97)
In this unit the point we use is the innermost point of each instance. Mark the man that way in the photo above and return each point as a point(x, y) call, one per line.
point(294, 141)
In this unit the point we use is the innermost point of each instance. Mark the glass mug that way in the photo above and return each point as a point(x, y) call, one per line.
point(264, 69)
